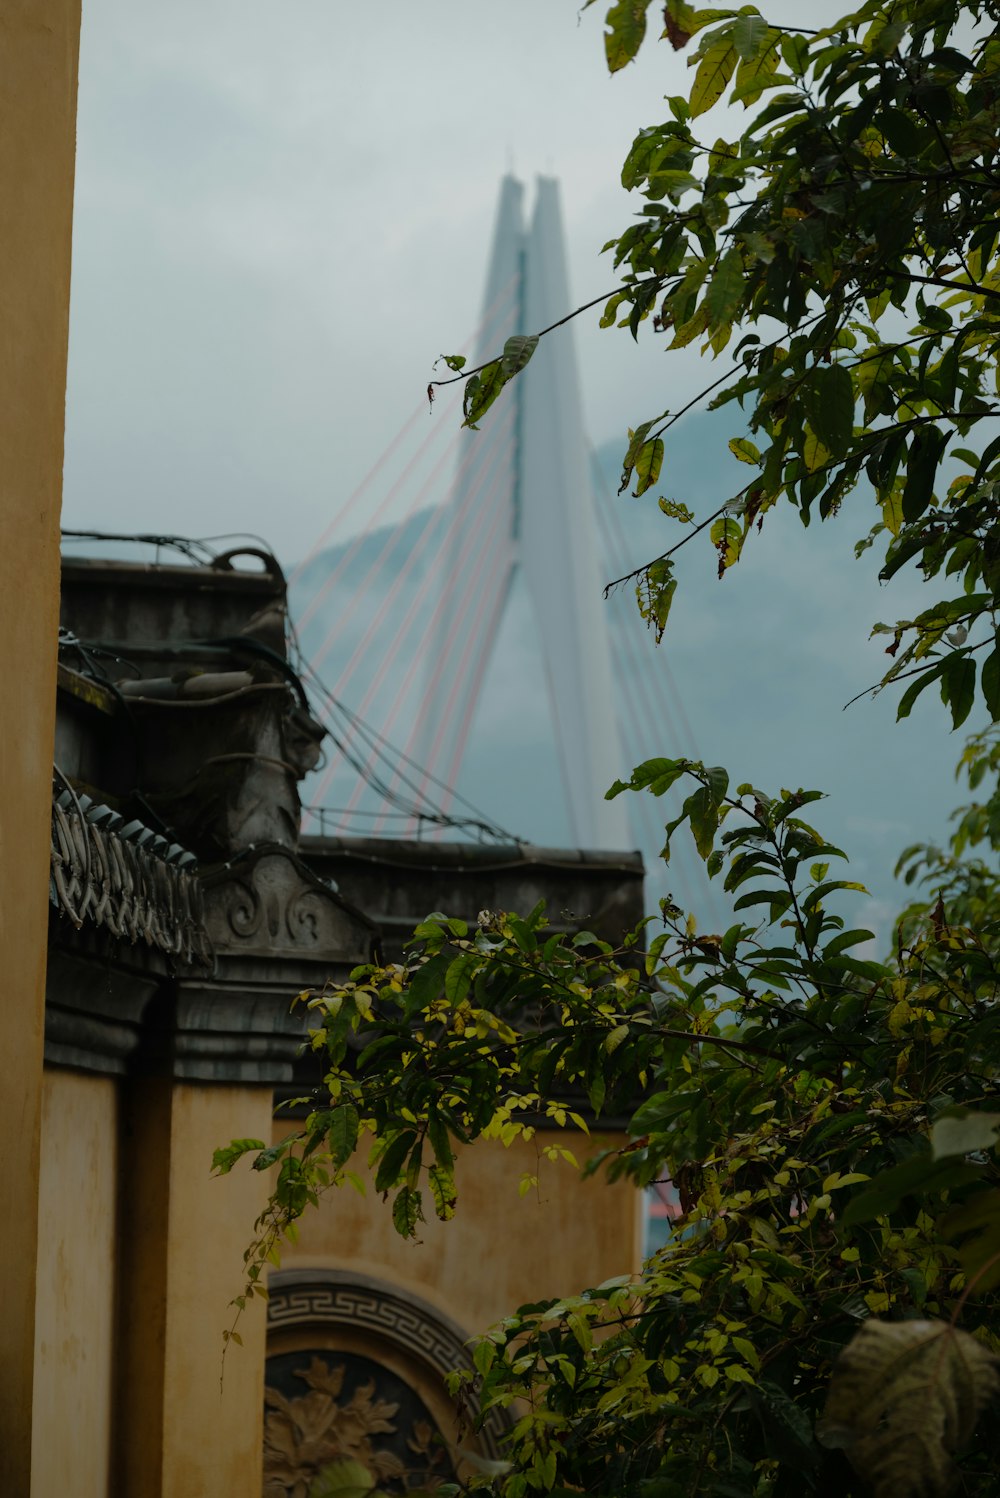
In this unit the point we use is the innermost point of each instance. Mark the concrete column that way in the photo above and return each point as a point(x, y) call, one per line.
point(180, 1433)
point(39, 50)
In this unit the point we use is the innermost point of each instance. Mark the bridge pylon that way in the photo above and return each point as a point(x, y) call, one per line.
point(526, 492)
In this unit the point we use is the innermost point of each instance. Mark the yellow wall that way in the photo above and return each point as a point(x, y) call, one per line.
point(74, 1326)
point(501, 1249)
point(39, 43)
point(180, 1435)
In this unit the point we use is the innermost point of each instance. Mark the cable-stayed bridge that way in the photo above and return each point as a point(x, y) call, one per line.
point(477, 547)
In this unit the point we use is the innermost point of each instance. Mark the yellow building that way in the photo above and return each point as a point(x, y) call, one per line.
point(185, 914)
point(157, 890)
point(38, 68)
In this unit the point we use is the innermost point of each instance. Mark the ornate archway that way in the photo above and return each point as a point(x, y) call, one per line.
point(356, 1370)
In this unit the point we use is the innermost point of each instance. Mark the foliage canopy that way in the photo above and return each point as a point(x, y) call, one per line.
point(825, 1116)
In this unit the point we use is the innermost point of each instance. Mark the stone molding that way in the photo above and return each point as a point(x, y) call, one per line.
point(121, 1003)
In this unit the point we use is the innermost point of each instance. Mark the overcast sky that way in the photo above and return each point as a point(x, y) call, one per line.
point(283, 213)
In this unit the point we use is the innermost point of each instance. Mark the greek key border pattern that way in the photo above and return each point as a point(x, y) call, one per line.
point(409, 1325)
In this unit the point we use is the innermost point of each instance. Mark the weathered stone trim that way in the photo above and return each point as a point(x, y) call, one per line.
point(125, 879)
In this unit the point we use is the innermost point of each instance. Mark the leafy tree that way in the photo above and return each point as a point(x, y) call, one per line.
point(825, 1116)
point(848, 239)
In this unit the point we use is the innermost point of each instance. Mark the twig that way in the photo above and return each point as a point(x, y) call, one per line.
point(465, 374)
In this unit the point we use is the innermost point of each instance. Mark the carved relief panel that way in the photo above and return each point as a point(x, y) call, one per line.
point(355, 1371)
point(268, 901)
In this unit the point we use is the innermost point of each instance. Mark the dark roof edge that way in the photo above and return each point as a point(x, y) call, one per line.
point(400, 853)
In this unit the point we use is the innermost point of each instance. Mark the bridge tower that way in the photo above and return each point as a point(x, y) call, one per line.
point(531, 497)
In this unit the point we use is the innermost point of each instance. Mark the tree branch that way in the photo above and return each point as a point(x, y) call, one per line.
point(466, 374)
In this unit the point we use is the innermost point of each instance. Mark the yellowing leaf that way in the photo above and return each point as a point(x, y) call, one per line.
point(714, 72)
point(580, 1327)
point(892, 512)
point(814, 454)
point(442, 1184)
point(745, 450)
point(902, 1387)
point(648, 462)
point(899, 1017)
point(626, 23)
point(615, 1038)
point(837, 1181)
point(755, 73)
point(344, 1478)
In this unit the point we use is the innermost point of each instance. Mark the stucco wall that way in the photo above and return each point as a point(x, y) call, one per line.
point(181, 1433)
point(74, 1326)
point(213, 1434)
point(39, 44)
point(501, 1249)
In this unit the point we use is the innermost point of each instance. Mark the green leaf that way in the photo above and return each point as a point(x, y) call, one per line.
point(390, 1166)
point(827, 396)
point(636, 439)
point(958, 686)
point(648, 462)
point(916, 686)
point(918, 1176)
point(342, 1133)
point(458, 978)
point(481, 390)
point(224, 1159)
point(701, 809)
point(874, 379)
point(845, 939)
point(581, 1329)
point(884, 35)
point(516, 352)
point(925, 451)
point(714, 72)
point(794, 52)
point(990, 683)
point(429, 930)
point(440, 1139)
point(655, 593)
point(974, 1227)
point(726, 288)
point(275, 1152)
point(717, 780)
point(657, 775)
point(407, 1212)
point(427, 983)
point(749, 35)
